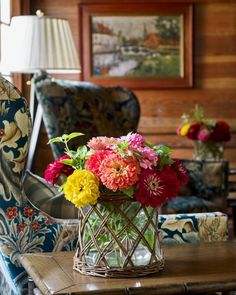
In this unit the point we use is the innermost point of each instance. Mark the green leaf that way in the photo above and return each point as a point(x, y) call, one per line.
point(81, 151)
point(129, 191)
point(65, 137)
point(55, 139)
point(67, 162)
point(73, 135)
point(162, 149)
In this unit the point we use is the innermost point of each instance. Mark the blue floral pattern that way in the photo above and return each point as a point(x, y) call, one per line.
point(23, 228)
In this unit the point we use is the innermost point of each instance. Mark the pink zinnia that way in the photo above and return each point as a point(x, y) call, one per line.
point(204, 134)
point(57, 168)
point(119, 173)
point(148, 158)
point(136, 140)
point(94, 162)
point(100, 142)
point(155, 187)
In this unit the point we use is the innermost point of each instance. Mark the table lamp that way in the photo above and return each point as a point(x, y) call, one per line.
point(37, 43)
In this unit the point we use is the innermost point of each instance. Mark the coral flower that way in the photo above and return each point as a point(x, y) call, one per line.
point(82, 188)
point(95, 160)
point(119, 173)
point(56, 169)
point(155, 187)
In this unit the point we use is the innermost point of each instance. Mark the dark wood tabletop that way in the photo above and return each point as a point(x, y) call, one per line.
point(189, 269)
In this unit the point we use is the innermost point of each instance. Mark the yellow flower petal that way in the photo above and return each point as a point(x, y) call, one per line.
point(82, 188)
point(184, 130)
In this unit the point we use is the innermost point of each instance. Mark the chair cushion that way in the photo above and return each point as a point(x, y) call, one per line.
point(46, 198)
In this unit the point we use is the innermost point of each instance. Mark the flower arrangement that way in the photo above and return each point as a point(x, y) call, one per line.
point(196, 127)
point(123, 180)
point(208, 135)
point(108, 165)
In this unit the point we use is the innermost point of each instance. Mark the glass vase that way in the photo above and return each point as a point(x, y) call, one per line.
point(208, 150)
point(118, 238)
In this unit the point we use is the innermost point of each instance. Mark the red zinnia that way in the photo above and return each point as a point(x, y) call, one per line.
point(57, 168)
point(221, 132)
point(193, 130)
point(181, 171)
point(156, 187)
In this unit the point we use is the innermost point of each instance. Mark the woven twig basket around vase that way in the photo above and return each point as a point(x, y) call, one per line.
point(118, 238)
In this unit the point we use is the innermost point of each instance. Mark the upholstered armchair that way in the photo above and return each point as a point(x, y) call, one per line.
point(206, 191)
point(69, 106)
point(23, 228)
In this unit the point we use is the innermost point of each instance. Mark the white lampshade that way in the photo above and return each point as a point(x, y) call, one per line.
point(40, 43)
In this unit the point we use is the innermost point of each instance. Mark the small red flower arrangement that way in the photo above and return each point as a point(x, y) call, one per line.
point(197, 127)
point(126, 165)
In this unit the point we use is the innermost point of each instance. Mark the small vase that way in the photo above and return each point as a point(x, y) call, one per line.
point(118, 238)
point(208, 150)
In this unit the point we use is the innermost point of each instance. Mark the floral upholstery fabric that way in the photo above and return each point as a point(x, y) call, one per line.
point(193, 228)
point(70, 106)
point(206, 190)
point(23, 228)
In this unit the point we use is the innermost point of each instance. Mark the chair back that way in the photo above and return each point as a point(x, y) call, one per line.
point(208, 180)
point(72, 106)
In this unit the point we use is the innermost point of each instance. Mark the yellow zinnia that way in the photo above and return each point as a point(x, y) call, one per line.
point(184, 130)
point(82, 188)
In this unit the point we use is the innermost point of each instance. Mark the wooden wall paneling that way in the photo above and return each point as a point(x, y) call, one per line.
point(214, 74)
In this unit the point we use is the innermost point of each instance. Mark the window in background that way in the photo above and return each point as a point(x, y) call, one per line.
point(5, 18)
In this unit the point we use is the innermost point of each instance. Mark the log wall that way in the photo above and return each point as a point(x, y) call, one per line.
point(214, 66)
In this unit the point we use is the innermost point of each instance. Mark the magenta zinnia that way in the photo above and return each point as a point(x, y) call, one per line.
point(56, 169)
point(181, 171)
point(119, 173)
point(155, 187)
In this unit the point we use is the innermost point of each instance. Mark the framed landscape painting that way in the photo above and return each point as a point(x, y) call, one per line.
point(137, 45)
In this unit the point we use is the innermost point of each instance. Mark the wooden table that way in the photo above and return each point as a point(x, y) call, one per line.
point(189, 269)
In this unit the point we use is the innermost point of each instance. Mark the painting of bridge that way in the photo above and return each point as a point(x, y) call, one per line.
point(137, 46)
